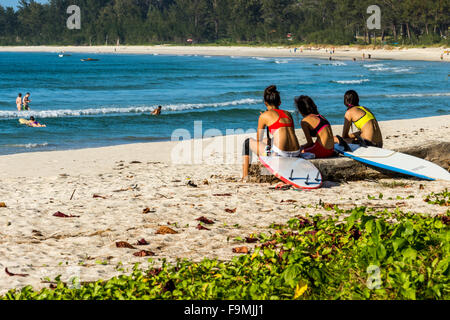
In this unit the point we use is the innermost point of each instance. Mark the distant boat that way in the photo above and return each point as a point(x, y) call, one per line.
point(61, 55)
point(89, 59)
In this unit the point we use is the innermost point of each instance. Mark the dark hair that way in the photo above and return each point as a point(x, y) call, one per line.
point(20, 94)
point(32, 118)
point(160, 107)
point(28, 93)
point(351, 99)
point(306, 105)
point(272, 96)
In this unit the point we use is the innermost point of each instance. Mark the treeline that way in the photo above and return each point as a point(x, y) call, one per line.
point(133, 22)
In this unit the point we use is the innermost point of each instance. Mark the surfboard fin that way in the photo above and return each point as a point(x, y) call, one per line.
point(344, 144)
point(317, 178)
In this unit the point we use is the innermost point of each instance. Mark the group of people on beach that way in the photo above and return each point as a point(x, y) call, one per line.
point(23, 104)
point(282, 140)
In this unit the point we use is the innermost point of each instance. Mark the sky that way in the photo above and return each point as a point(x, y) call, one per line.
point(14, 3)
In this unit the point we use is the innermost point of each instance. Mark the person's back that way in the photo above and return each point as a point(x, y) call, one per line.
point(281, 126)
point(364, 120)
point(314, 125)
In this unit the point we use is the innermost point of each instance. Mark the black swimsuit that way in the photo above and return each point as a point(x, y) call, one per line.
point(322, 125)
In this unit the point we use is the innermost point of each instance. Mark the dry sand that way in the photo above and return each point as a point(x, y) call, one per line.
point(342, 52)
point(131, 178)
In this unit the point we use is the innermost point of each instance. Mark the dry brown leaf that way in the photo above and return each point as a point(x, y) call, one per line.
point(123, 244)
point(144, 253)
point(98, 196)
point(165, 230)
point(205, 220)
point(244, 250)
point(2, 205)
point(288, 201)
point(231, 210)
point(200, 227)
point(148, 210)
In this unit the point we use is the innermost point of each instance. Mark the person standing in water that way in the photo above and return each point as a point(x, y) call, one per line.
point(26, 102)
point(19, 102)
point(369, 130)
point(281, 126)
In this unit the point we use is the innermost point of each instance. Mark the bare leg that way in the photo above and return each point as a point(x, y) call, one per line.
point(246, 159)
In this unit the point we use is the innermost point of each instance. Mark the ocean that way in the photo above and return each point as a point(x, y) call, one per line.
point(108, 102)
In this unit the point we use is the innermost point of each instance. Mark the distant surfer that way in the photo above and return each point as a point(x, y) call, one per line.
point(26, 102)
point(157, 111)
point(35, 124)
point(314, 125)
point(281, 126)
point(19, 102)
point(369, 129)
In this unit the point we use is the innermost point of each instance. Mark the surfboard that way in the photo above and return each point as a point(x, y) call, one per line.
point(394, 161)
point(297, 172)
point(24, 121)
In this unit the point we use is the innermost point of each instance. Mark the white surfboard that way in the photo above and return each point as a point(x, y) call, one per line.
point(395, 161)
point(297, 172)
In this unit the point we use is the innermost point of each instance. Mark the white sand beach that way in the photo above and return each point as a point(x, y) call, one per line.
point(341, 52)
point(108, 189)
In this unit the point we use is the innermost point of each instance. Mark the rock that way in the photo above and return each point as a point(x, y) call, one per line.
point(346, 169)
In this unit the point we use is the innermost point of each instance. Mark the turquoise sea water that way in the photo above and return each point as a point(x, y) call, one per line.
point(92, 104)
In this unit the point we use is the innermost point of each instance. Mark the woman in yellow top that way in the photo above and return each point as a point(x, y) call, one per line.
point(364, 120)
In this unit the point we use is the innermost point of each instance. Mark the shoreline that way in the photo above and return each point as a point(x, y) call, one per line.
point(86, 159)
point(224, 137)
point(342, 52)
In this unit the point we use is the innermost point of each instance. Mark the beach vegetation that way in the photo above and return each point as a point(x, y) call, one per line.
point(226, 22)
point(352, 254)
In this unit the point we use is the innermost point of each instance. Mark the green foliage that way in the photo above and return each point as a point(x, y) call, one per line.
point(442, 199)
point(316, 258)
point(225, 22)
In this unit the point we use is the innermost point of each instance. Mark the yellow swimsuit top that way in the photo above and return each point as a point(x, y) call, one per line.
point(362, 122)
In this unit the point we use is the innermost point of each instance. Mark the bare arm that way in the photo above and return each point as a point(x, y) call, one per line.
point(260, 134)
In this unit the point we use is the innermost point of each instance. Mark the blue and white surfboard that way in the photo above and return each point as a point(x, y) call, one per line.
point(395, 161)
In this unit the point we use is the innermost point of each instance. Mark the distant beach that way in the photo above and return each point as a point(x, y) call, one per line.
point(340, 52)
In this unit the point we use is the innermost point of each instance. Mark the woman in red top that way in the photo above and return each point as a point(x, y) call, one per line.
point(315, 125)
point(280, 123)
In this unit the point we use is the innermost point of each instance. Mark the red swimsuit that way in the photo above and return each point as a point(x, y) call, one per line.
point(277, 125)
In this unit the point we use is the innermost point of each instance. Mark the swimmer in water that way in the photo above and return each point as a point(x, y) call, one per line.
point(33, 123)
point(157, 112)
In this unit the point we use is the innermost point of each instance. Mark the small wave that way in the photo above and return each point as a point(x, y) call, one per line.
point(373, 65)
point(281, 61)
point(418, 95)
point(261, 59)
point(28, 145)
point(335, 64)
point(351, 81)
point(111, 110)
point(384, 68)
